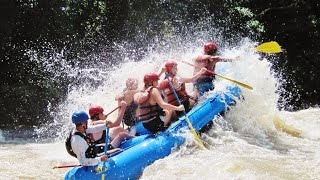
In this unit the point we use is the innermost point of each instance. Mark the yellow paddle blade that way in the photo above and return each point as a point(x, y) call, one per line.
point(282, 126)
point(199, 142)
point(269, 47)
point(237, 82)
point(100, 169)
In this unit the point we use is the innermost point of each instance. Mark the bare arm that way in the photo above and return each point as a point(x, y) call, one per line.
point(193, 78)
point(155, 94)
point(91, 123)
point(161, 71)
point(222, 59)
point(96, 128)
point(202, 58)
point(117, 122)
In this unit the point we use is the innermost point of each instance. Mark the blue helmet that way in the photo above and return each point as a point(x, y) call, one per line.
point(79, 116)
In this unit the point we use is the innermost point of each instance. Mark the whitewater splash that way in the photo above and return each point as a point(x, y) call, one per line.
point(244, 144)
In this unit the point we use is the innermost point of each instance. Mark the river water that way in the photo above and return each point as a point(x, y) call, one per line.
point(245, 144)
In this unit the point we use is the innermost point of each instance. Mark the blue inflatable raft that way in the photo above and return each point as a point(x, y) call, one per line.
point(143, 150)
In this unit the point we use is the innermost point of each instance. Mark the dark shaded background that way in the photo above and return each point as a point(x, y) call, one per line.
point(82, 27)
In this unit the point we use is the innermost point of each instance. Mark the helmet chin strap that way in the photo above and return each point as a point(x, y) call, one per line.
point(85, 127)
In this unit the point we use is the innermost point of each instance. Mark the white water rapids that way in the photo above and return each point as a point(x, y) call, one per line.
point(243, 145)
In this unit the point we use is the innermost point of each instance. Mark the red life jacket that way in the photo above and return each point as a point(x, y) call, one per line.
point(146, 111)
point(170, 97)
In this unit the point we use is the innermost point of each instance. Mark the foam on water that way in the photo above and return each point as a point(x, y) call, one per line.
point(243, 145)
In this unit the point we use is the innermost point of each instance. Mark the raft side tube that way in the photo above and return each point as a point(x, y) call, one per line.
point(201, 115)
point(142, 151)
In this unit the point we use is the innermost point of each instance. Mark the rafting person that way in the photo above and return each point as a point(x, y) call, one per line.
point(117, 133)
point(80, 145)
point(171, 69)
point(130, 116)
point(154, 113)
point(205, 82)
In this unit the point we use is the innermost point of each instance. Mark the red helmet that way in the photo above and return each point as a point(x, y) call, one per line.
point(150, 77)
point(93, 110)
point(170, 64)
point(210, 46)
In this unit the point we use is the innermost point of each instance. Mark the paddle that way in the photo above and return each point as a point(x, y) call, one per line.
point(232, 80)
point(112, 110)
point(105, 151)
point(65, 166)
point(282, 126)
point(106, 146)
point(269, 47)
point(199, 142)
point(113, 153)
point(107, 138)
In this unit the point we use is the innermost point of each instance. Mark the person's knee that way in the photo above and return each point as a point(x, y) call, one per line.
point(168, 112)
point(117, 130)
point(168, 116)
point(121, 135)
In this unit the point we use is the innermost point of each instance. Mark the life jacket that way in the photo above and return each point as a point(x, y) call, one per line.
point(91, 152)
point(169, 94)
point(129, 117)
point(148, 112)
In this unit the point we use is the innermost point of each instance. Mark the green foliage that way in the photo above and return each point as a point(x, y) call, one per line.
point(81, 27)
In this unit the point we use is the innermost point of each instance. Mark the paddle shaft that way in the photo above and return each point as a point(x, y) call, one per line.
point(75, 165)
point(106, 150)
point(112, 110)
point(232, 80)
point(229, 79)
point(184, 112)
point(65, 166)
point(107, 142)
